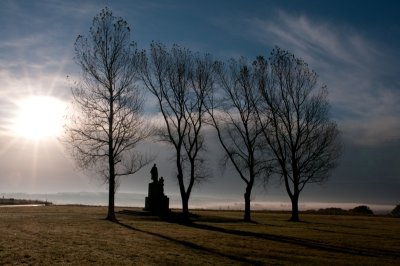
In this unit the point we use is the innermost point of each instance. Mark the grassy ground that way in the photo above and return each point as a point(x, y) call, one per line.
point(79, 235)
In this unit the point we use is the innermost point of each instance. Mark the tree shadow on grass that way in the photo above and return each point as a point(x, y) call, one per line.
point(193, 245)
point(298, 241)
point(204, 223)
point(177, 217)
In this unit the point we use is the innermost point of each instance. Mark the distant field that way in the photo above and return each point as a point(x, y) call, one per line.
point(74, 235)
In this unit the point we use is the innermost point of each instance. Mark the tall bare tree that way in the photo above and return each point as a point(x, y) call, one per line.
point(233, 114)
point(106, 125)
point(180, 81)
point(297, 124)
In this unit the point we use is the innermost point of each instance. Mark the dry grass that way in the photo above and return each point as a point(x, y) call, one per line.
point(72, 235)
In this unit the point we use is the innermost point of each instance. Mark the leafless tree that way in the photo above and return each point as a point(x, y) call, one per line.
point(233, 115)
point(106, 124)
point(180, 81)
point(297, 124)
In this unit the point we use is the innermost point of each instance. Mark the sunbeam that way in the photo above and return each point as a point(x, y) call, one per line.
point(38, 117)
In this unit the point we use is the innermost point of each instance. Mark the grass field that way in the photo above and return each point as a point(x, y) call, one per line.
point(74, 235)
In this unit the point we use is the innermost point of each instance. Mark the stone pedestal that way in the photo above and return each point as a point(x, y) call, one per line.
point(156, 201)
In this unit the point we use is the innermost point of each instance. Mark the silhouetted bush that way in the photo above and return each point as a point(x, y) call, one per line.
point(332, 211)
point(396, 211)
point(362, 210)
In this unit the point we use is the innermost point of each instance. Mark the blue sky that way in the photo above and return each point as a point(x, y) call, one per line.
point(352, 45)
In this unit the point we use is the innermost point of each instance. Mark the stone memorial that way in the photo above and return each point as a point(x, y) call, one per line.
point(156, 201)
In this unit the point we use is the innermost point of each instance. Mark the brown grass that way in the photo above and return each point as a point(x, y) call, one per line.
point(78, 235)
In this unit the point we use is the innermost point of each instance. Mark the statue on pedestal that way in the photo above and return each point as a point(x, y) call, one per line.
point(154, 173)
point(156, 201)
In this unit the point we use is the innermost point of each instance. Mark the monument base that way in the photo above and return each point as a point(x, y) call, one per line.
point(156, 201)
point(159, 205)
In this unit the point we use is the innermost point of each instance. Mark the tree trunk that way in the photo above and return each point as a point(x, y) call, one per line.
point(295, 208)
point(111, 201)
point(111, 160)
point(184, 197)
point(185, 207)
point(182, 190)
point(294, 198)
point(247, 209)
point(111, 178)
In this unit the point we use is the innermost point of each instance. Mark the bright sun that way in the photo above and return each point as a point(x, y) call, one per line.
point(39, 117)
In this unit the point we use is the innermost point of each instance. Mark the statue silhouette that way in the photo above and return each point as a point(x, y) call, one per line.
point(154, 173)
point(156, 201)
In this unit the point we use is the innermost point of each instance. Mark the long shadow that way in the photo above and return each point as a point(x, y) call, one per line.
point(198, 221)
point(173, 217)
point(176, 217)
point(193, 245)
point(298, 241)
point(354, 234)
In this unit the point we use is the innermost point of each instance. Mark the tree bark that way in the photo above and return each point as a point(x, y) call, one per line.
point(111, 164)
point(185, 207)
point(111, 201)
point(247, 206)
point(295, 208)
point(182, 190)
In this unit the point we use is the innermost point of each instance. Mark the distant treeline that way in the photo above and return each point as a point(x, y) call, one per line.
point(359, 210)
point(12, 201)
point(364, 210)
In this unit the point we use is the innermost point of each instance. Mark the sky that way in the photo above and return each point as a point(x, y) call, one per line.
point(352, 45)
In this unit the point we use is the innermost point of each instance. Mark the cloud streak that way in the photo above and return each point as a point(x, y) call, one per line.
point(362, 84)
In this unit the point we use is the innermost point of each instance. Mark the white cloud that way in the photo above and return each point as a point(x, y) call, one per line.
point(360, 77)
point(315, 41)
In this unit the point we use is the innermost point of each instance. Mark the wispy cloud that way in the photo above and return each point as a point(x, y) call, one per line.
point(363, 86)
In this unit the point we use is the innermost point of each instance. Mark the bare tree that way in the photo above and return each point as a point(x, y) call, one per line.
point(106, 124)
point(233, 115)
point(180, 81)
point(297, 124)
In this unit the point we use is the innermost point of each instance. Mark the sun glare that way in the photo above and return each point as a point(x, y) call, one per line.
point(39, 117)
